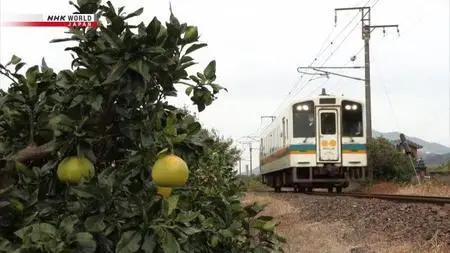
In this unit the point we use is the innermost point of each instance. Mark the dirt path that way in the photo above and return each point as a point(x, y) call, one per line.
point(324, 224)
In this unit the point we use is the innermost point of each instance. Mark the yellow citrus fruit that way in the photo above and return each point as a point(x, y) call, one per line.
point(164, 191)
point(170, 171)
point(73, 168)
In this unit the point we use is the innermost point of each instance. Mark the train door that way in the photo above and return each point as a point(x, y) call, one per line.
point(328, 141)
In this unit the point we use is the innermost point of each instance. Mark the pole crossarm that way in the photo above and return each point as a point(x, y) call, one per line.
point(327, 73)
point(332, 67)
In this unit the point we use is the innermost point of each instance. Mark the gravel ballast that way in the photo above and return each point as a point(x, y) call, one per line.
point(411, 223)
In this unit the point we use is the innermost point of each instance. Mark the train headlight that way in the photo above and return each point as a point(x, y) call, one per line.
point(299, 107)
point(354, 107)
point(348, 107)
point(305, 107)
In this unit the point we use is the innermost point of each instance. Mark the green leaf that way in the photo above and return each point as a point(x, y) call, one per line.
point(210, 71)
point(187, 65)
point(191, 230)
point(95, 224)
point(86, 242)
point(31, 74)
point(82, 192)
point(6, 246)
point(195, 47)
point(189, 90)
point(153, 28)
point(216, 88)
point(39, 231)
point(19, 66)
point(134, 14)
point(214, 241)
point(186, 216)
point(44, 66)
point(170, 243)
point(269, 226)
point(111, 38)
point(14, 60)
point(63, 40)
point(68, 224)
point(179, 138)
point(84, 148)
point(149, 243)
point(191, 34)
point(120, 9)
point(96, 102)
point(129, 242)
point(170, 128)
point(185, 59)
point(171, 204)
point(116, 72)
point(76, 101)
point(194, 127)
point(154, 50)
point(173, 20)
point(195, 79)
point(141, 67)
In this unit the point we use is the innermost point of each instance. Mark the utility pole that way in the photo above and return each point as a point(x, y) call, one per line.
point(367, 28)
point(240, 166)
point(251, 168)
point(249, 143)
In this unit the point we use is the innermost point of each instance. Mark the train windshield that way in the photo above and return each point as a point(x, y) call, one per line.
point(303, 120)
point(352, 119)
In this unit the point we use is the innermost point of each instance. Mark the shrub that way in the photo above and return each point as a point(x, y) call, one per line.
point(388, 162)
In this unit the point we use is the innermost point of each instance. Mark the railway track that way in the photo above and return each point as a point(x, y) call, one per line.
point(394, 197)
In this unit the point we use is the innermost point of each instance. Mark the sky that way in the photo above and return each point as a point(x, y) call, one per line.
point(258, 46)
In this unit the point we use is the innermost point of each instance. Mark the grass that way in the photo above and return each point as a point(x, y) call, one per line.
point(254, 183)
point(437, 186)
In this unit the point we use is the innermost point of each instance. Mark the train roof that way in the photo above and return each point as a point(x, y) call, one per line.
point(322, 95)
point(314, 98)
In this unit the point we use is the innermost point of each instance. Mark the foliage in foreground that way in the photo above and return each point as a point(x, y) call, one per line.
point(111, 108)
point(388, 162)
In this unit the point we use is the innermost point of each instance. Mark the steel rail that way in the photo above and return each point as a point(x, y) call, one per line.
point(393, 197)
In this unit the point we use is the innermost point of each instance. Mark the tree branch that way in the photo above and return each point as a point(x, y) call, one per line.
point(33, 153)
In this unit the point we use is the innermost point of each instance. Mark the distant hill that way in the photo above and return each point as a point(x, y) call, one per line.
point(436, 159)
point(428, 147)
point(433, 153)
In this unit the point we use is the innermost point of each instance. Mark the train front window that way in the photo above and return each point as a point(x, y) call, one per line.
point(352, 117)
point(303, 120)
point(328, 123)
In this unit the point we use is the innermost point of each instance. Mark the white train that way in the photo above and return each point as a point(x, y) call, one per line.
point(317, 142)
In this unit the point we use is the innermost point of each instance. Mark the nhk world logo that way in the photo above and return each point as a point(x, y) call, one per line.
point(51, 20)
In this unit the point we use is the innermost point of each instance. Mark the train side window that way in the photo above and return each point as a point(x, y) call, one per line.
point(287, 128)
point(303, 120)
point(352, 119)
point(328, 123)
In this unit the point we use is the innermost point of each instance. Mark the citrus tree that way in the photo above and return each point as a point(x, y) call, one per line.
point(94, 158)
